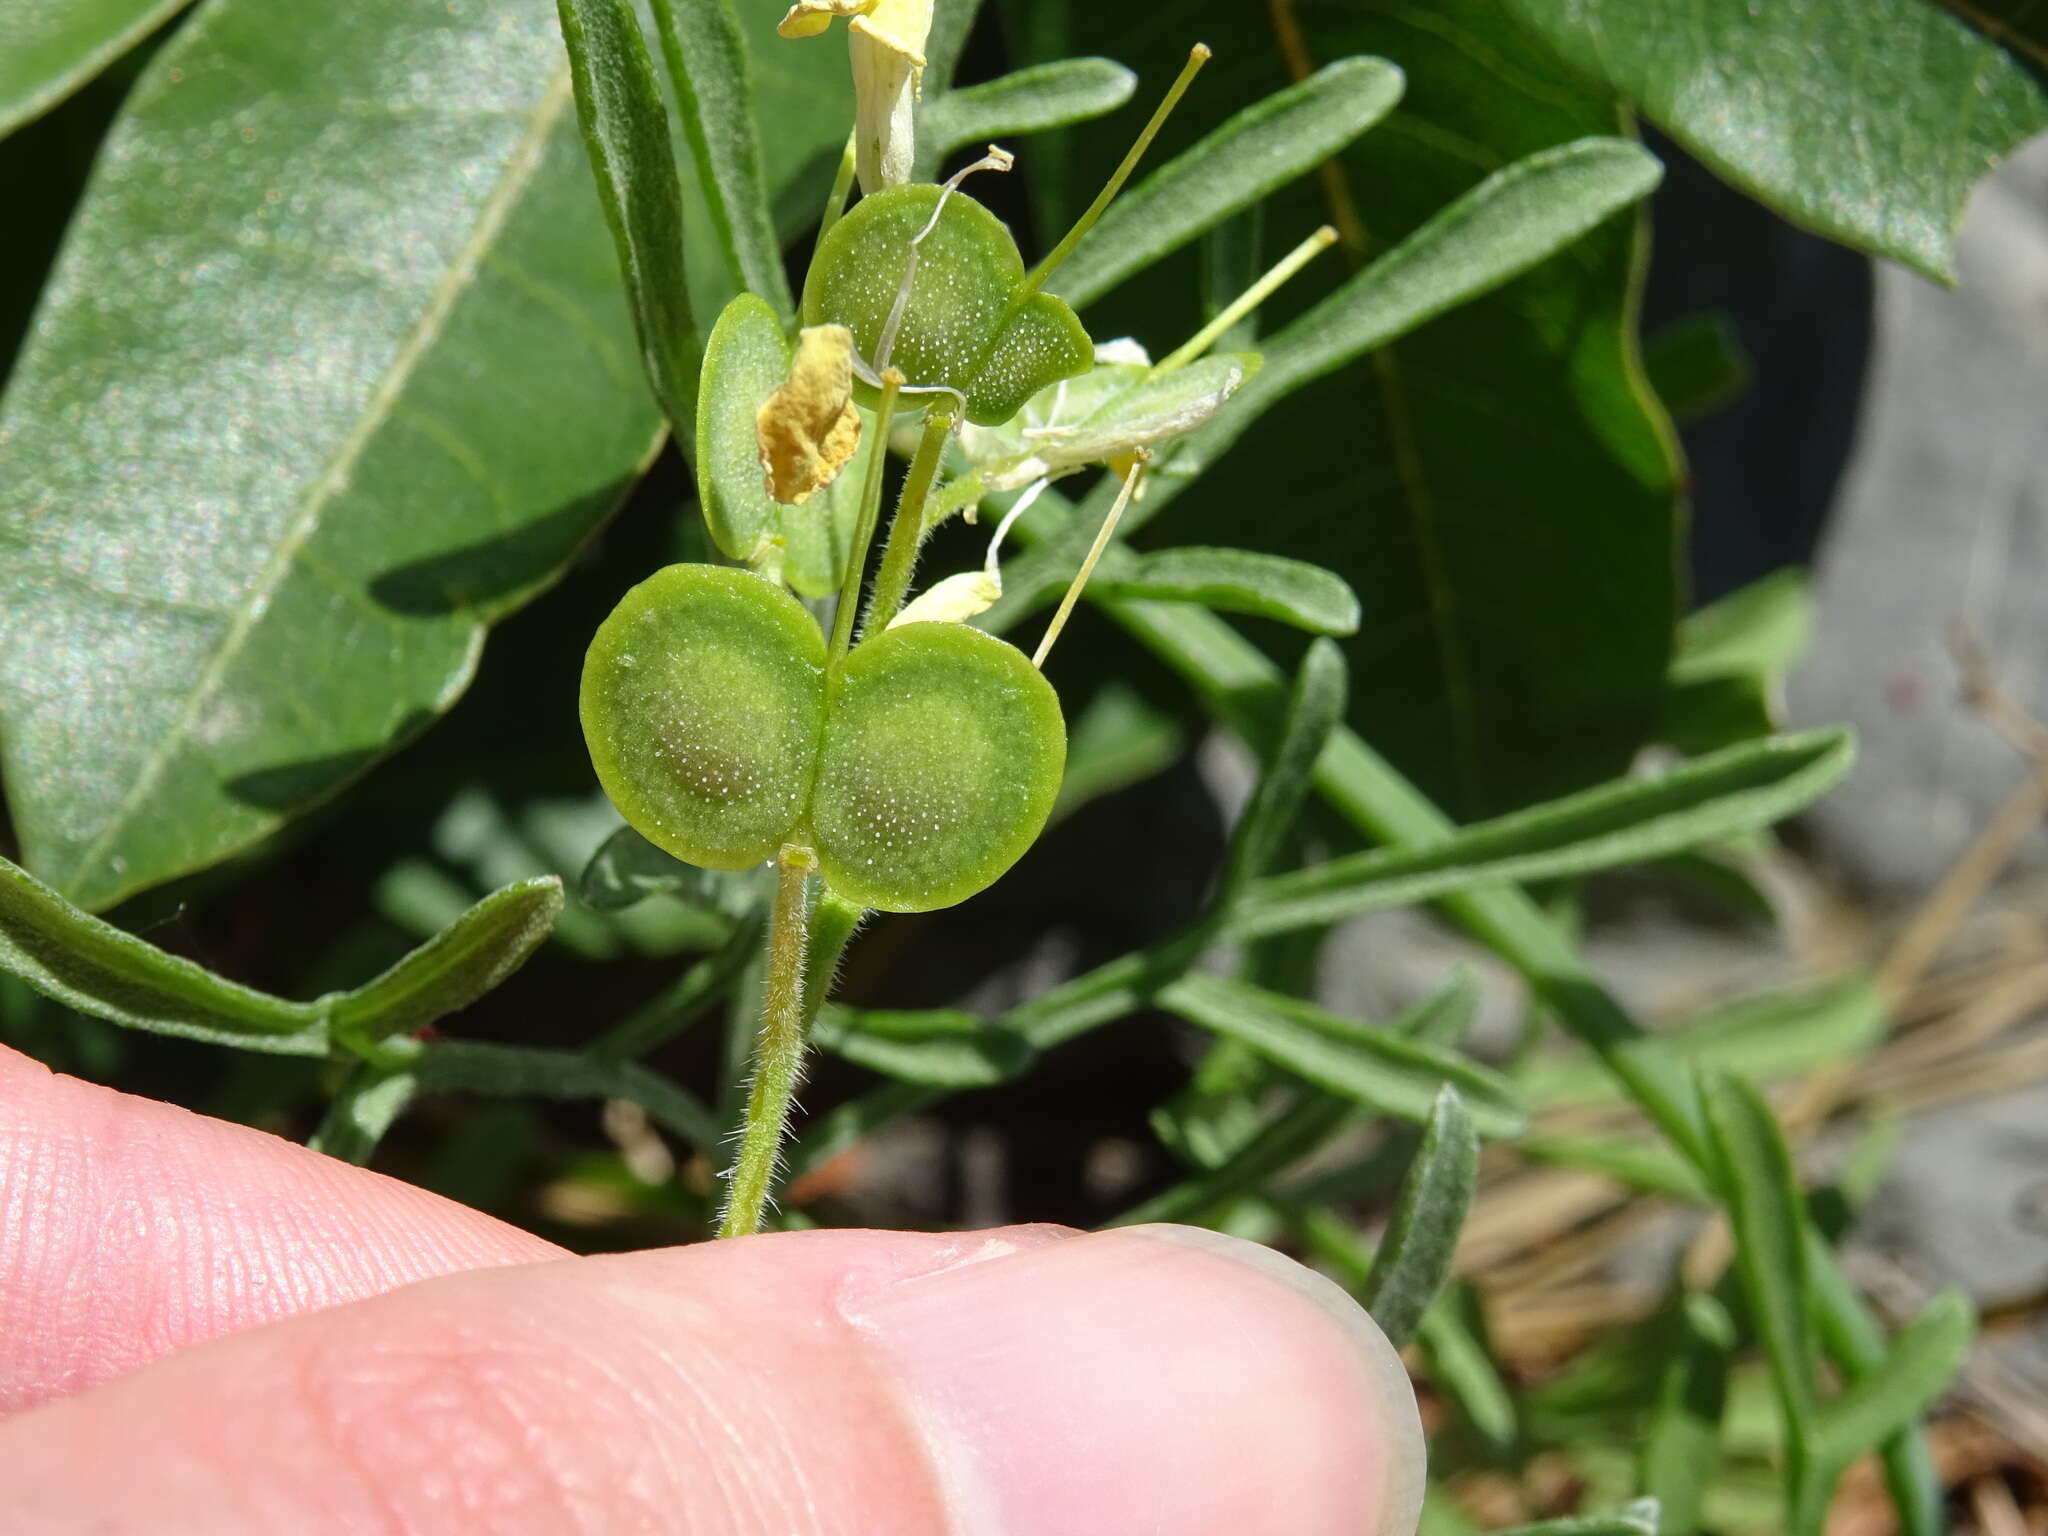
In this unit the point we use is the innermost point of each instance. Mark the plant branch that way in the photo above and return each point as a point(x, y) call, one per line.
point(779, 1050)
point(906, 533)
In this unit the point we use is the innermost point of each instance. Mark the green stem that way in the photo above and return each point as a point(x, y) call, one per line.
point(842, 188)
point(779, 1051)
point(870, 515)
point(906, 533)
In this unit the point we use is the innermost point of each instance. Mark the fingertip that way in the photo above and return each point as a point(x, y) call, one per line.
point(1156, 1378)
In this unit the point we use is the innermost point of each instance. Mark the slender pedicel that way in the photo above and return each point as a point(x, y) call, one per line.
point(1102, 537)
point(1248, 301)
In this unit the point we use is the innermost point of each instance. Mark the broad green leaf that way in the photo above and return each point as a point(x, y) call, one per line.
point(745, 361)
point(1262, 148)
point(1697, 365)
point(1727, 675)
point(1495, 670)
point(1923, 1361)
point(942, 757)
point(1376, 1067)
point(52, 47)
point(969, 326)
point(369, 1103)
point(1236, 581)
point(457, 966)
point(938, 1048)
point(377, 384)
point(1314, 706)
point(1682, 1451)
point(713, 79)
point(94, 967)
point(1704, 801)
point(1118, 741)
point(1770, 1035)
point(1028, 101)
point(1868, 121)
point(703, 702)
point(1767, 1211)
point(1414, 1258)
point(626, 134)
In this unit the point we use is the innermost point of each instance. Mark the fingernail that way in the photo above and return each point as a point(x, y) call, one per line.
point(1157, 1379)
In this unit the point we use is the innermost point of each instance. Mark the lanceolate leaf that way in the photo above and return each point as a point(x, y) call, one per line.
point(1262, 148)
point(1497, 669)
point(1709, 800)
point(96, 968)
point(1377, 1067)
point(939, 1048)
point(1029, 101)
point(52, 47)
point(377, 383)
point(1921, 1363)
point(457, 966)
point(1414, 1259)
point(626, 132)
point(1314, 706)
point(714, 85)
point(1866, 120)
point(1236, 581)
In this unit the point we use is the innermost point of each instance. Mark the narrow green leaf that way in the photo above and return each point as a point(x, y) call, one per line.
point(1650, 1167)
point(522, 1072)
point(936, 1048)
point(1414, 1258)
point(1314, 706)
point(626, 135)
point(1697, 365)
point(371, 1100)
point(94, 967)
point(1727, 676)
point(1775, 1034)
point(1767, 1212)
point(1236, 581)
point(1260, 149)
point(1507, 224)
point(1921, 1364)
point(55, 46)
point(1375, 1066)
point(1279, 1144)
point(1462, 1364)
point(1027, 101)
point(1708, 800)
point(1868, 121)
point(470, 957)
point(1682, 1451)
point(713, 78)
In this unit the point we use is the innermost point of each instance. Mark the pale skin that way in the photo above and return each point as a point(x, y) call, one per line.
point(207, 1329)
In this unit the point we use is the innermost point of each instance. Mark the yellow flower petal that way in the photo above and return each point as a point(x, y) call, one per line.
point(954, 600)
point(809, 428)
point(807, 18)
point(901, 25)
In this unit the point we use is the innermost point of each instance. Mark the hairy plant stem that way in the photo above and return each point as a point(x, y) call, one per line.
point(906, 533)
point(864, 530)
point(779, 1048)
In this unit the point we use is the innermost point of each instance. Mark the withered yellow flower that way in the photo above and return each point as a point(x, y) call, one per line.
point(809, 428)
point(887, 41)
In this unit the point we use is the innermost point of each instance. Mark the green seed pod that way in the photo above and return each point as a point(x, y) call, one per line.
point(943, 753)
point(703, 704)
point(745, 360)
point(963, 327)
